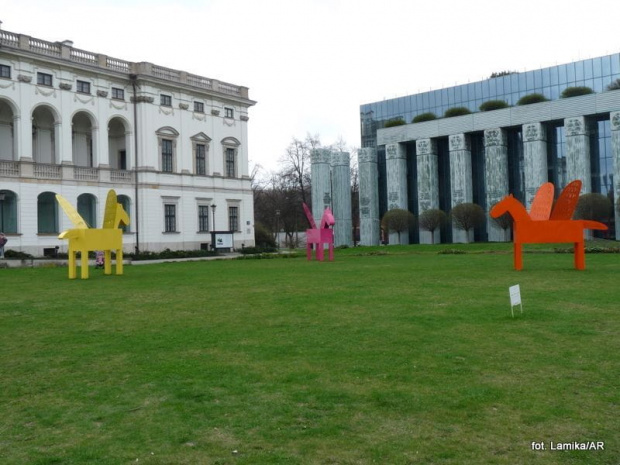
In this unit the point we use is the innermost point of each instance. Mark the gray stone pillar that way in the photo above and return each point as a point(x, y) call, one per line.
point(535, 159)
point(370, 229)
point(320, 171)
point(341, 198)
point(396, 177)
point(495, 177)
point(428, 183)
point(460, 179)
point(615, 150)
point(578, 152)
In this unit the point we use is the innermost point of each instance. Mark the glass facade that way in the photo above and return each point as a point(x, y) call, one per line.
point(596, 73)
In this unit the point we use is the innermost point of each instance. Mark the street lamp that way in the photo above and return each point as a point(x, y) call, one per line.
point(213, 207)
point(278, 229)
point(2, 197)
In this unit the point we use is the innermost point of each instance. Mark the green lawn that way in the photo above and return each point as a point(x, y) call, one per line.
point(373, 358)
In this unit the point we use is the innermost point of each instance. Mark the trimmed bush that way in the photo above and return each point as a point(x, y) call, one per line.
point(262, 237)
point(467, 216)
point(593, 206)
point(532, 98)
point(394, 122)
point(398, 221)
point(614, 85)
point(456, 111)
point(493, 105)
point(576, 91)
point(429, 116)
point(431, 220)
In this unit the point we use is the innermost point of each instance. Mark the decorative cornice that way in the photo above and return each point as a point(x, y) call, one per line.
point(426, 147)
point(45, 92)
point(23, 78)
point(534, 132)
point(320, 156)
point(142, 99)
point(215, 112)
point(367, 155)
point(392, 152)
point(102, 93)
point(64, 86)
point(459, 142)
point(244, 118)
point(341, 159)
point(615, 121)
point(183, 106)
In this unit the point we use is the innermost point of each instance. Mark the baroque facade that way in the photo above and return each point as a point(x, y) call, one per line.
point(172, 144)
point(483, 156)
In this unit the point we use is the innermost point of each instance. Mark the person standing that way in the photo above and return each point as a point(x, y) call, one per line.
point(3, 241)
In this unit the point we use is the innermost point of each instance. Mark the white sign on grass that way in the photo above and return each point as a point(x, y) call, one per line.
point(515, 298)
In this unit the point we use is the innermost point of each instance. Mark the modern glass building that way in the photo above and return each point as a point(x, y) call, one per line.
point(482, 156)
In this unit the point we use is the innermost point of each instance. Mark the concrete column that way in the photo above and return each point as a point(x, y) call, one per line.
point(615, 150)
point(320, 172)
point(535, 159)
point(578, 152)
point(428, 183)
point(341, 193)
point(495, 177)
point(460, 179)
point(396, 177)
point(370, 229)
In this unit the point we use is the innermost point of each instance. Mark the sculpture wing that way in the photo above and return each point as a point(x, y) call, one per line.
point(567, 202)
point(109, 216)
point(309, 216)
point(72, 213)
point(542, 203)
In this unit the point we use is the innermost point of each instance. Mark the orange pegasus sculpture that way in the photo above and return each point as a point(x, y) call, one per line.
point(544, 224)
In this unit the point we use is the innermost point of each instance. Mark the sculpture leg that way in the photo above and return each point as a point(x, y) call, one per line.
point(580, 256)
point(119, 261)
point(319, 251)
point(72, 265)
point(518, 256)
point(84, 263)
point(107, 264)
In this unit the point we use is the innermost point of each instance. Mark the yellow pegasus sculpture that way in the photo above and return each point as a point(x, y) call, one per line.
point(84, 239)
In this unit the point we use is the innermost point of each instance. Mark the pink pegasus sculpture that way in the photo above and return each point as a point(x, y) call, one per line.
point(319, 236)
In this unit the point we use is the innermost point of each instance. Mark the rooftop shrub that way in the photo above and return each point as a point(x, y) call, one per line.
point(576, 91)
point(456, 111)
point(394, 122)
point(532, 98)
point(493, 105)
point(429, 116)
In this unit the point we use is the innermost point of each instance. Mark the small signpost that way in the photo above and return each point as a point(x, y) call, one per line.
point(515, 298)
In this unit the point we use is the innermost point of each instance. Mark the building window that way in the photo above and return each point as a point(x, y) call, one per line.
point(118, 94)
point(83, 87)
point(5, 71)
point(229, 112)
point(233, 218)
point(199, 107)
point(201, 159)
point(44, 79)
point(230, 163)
point(47, 214)
point(203, 218)
point(165, 100)
point(166, 156)
point(170, 218)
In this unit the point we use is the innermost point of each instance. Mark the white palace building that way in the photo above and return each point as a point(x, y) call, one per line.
point(172, 144)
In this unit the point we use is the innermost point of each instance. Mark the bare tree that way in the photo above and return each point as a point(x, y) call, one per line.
point(431, 220)
point(467, 216)
point(296, 164)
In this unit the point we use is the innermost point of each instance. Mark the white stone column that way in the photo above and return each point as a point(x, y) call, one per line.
point(370, 228)
point(615, 150)
point(428, 183)
point(495, 177)
point(396, 177)
point(578, 152)
point(535, 159)
point(460, 179)
point(341, 193)
point(320, 172)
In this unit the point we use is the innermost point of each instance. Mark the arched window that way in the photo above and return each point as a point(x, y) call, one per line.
point(124, 201)
point(7, 136)
point(83, 146)
point(87, 208)
point(47, 213)
point(8, 212)
point(118, 144)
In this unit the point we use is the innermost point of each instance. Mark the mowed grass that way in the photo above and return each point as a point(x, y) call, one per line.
point(389, 359)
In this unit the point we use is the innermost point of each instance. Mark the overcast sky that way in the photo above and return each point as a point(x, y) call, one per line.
point(311, 63)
